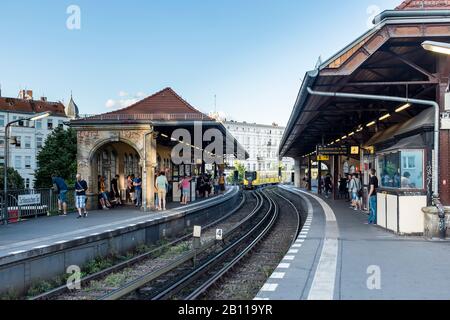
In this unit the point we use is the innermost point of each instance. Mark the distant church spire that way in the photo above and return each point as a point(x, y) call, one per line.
point(72, 108)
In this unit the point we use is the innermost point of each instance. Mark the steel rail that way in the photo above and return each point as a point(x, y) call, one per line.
point(192, 276)
point(122, 265)
point(143, 280)
point(299, 217)
point(223, 271)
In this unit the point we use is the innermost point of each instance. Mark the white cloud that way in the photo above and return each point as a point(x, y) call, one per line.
point(110, 103)
point(125, 100)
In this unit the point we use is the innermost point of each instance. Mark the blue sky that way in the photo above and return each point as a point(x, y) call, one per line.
point(252, 54)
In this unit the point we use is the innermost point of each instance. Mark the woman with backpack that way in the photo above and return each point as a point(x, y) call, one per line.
point(356, 189)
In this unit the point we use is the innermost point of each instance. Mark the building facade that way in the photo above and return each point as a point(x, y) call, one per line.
point(27, 138)
point(262, 144)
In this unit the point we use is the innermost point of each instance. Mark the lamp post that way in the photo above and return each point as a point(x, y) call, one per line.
point(6, 158)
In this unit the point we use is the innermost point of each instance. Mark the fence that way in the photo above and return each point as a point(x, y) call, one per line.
point(31, 203)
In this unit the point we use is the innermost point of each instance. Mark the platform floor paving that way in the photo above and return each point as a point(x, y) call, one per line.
point(339, 257)
point(34, 233)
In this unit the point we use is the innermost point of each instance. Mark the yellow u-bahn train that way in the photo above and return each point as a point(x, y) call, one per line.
point(256, 179)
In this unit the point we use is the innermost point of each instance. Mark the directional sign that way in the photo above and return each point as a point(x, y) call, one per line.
point(29, 199)
point(332, 150)
point(219, 234)
point(323, 158)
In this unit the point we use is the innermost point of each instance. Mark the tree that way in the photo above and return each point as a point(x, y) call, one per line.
point(58, 156)
point(15, 180)
point(241, 169)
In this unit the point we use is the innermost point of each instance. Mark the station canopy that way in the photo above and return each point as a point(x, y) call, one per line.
point(166, 111)
point(387, 60)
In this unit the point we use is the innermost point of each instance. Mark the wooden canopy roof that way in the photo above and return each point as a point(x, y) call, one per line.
point(387, 60)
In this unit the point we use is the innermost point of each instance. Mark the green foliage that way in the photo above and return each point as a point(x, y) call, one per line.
point(15, 181)
point(59, 156)
point(241, 169)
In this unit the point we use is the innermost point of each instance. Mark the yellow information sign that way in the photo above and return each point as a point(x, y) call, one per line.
point(354, 150)
point(323, 158)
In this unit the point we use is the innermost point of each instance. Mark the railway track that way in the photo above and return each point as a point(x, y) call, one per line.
point(190, 275)
point(167, 282)
point(238, 213)
point(182, 281)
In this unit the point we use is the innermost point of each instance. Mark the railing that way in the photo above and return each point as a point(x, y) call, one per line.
point(47, 205)
point(145, 117)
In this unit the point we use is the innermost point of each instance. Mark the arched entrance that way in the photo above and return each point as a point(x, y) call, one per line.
point(115, 158)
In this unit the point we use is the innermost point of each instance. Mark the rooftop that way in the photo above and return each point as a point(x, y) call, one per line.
point(31, 106)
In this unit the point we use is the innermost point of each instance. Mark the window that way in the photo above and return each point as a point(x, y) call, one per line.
point(39, 143)
point(18, 141)
point(27, 183)
point(2, 120)
point(2, 142)
point(38, 124)
point(402, 169)
point(18, 162)
point(27, 162)
point(60, 123)
point(27, 142)
point(412, 169)
point(49, 124)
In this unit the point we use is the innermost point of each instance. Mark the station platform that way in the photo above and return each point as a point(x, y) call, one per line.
point(339, 257)
point(39, 233)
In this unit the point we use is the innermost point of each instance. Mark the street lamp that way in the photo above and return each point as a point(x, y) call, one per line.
point(439, 47)
point(38, 116)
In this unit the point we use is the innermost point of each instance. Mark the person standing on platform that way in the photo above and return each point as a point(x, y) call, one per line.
point(373, 189)
point(163, 185)
point(137, 183)
point(104, 199)
point(80, 191)
point(61, 189)
point(349, 190)
point(185, 188)
point(328, 185)
point(115, 189)
point(222, 183)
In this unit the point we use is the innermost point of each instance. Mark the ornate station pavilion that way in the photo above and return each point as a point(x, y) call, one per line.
point(139, 140)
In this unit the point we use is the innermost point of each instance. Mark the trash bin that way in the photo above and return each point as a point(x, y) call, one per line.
point(13, 215)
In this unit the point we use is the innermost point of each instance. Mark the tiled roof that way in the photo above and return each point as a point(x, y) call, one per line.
point(164, 102)
point(31, 106)
point(424, 5)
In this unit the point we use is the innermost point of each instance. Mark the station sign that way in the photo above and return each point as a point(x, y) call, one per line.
point(197, 232)
point(323, 158)
point(29, 199)
point(354, 150)
point(219, 234)
point(332, 150)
